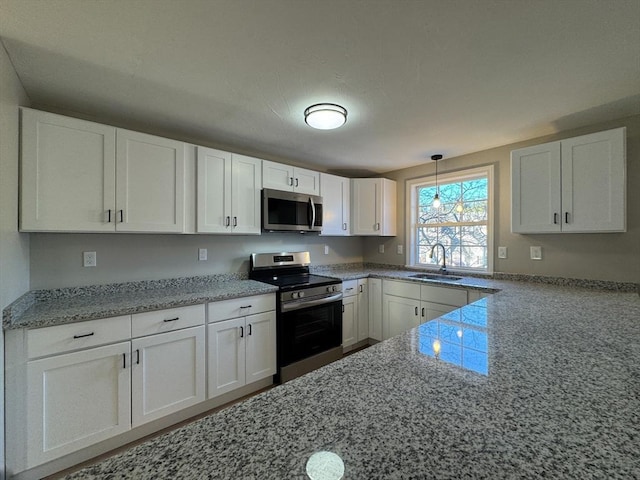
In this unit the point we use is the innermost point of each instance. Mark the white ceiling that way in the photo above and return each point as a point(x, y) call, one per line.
point(417, 76)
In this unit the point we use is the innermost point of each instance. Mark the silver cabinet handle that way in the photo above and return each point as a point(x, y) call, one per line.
point(235, 221)
point(555, 218)
point(296, 182)
point(245, 306)
point(249, 326)
point(566, 217)
point(171, 319)
point(138, 356)
point(228, 221)
point(416, 311)
point(361, 289)
point(344, 226)
point(121, 216)
point(378, 226)
point(83, 336)
point(124, 360)
point(241, 332)
point(423, 311)
point(291, 181)
point(109, 216)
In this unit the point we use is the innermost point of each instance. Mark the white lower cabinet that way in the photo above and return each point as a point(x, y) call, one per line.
point(167, 373)
point(355, 312)
point(75, 400)
point(408, 304)
point(374, 294)
point(241, 350)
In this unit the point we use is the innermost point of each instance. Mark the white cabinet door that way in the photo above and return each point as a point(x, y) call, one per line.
point(277, 176)
point(150, 183)
point(77, 399)
point(246, 185)
point(336, 206)
point(67, 174)
point(535, 189)
point(306, 181)
point(399, 315)
point(167, 373)
point(573, 185)
point(226, 356)
point(373, 206)
point(593, 182)
point(349, 321)
point(260, 333)
point(375, 308)
point(363, 310)
point(214, 191)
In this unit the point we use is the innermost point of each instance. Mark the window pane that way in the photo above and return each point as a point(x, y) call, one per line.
point(463, 202)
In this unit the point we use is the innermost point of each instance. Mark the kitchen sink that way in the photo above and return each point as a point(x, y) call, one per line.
point(435, 276)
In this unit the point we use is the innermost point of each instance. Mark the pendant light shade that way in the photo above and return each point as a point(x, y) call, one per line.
point(436, 198)
point(325, 116)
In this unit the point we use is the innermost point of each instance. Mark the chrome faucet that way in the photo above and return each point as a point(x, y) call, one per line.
point(443, 268)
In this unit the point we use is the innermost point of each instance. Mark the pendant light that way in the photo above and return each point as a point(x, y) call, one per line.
point(436, 198)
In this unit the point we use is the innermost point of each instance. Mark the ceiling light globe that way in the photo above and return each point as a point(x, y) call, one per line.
point(325, 116)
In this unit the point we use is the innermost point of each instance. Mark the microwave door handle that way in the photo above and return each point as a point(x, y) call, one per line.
point(313, 214)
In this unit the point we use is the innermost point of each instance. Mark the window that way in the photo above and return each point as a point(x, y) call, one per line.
point(462, 223)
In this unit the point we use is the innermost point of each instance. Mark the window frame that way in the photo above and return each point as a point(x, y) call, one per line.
point(449, 177)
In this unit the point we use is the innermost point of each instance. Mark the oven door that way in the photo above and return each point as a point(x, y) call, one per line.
point(289, 211)
point(307, 331)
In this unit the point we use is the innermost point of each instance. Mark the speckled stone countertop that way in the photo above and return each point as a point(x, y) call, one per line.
point(45, 308)
point(536, 381)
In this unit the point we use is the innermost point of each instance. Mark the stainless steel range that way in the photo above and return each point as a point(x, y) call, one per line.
point(309, 312)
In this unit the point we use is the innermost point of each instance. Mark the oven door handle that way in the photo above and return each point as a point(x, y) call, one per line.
point(288, 307)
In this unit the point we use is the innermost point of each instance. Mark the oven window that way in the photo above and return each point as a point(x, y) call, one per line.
point(309, 331)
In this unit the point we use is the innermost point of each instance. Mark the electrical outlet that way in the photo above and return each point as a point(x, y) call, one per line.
point(202, 254)
point(326, 249)
point(399, 249)
point(536, 253)
point(381, 248)
point(89, 259)
point(502, 252)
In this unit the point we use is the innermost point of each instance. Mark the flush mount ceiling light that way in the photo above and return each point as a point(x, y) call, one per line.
point(436, 198)
point(325, 116)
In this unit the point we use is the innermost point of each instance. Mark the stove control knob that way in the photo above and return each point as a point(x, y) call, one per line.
point(334, 288)
point(300, 294)
point(329, 290)
point(294, 295)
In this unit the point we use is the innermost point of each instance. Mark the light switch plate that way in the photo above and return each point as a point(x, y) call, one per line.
point(502, 252)
point(202, 254)
point(89, 259)
point(536, 253)
point(381, 248)
point(400, 250)
point(326, 249)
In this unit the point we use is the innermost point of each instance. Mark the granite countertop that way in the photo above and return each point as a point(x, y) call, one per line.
point(46, 308)
point(536, 381)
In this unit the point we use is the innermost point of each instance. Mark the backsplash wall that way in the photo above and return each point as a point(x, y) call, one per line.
point(56, 259)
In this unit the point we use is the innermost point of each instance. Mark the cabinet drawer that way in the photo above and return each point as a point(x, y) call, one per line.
point(75, 336)
point(160, 321)
point(349, 287)
point(241, 307)
point(401, 289)
point(447, 296)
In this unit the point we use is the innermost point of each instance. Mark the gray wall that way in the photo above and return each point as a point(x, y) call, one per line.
point(14, 247)
point(56, 259)
point(610, 256)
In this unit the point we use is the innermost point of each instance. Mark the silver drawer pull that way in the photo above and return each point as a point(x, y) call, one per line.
point(171, 319)
point(350, 288)
point(245, 306)
point(82, 336)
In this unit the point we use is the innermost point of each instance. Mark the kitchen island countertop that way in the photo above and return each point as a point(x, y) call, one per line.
point(536, 381)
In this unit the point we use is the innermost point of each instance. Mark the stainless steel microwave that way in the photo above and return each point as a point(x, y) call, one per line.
point(291, 212)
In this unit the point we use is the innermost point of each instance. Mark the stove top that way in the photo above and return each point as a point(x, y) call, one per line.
point(296, 281)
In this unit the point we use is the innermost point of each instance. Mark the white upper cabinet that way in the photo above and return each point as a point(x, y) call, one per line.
point(149, 183)
point(291, 179)
point(228, 199)
point(67, 174)
point(336, 204)
point(573, 185)
point(373, 207)
point(80, 176)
